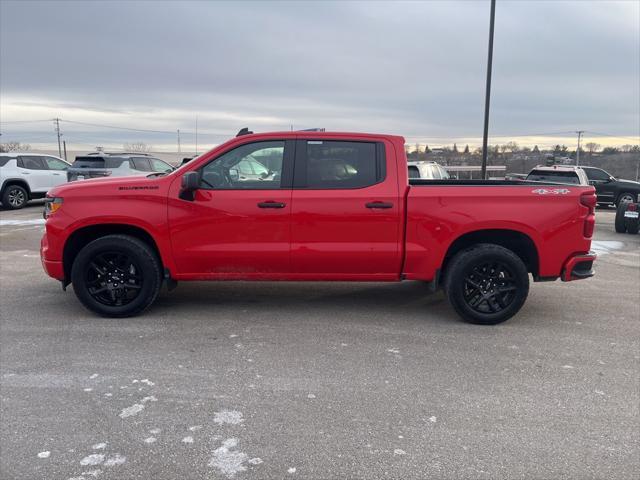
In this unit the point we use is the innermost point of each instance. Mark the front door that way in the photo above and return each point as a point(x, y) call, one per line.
point(237, 225)
point(34, 170)
point(346, 211)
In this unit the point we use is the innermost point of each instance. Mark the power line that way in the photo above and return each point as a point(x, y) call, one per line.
point(25, 121)
point(613, 136)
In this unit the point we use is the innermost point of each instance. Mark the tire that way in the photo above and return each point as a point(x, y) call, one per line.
point(15, 197)
point(472, 270)
point(625, 197)
point(620, 223)
point(633, 225)
point(116, 276)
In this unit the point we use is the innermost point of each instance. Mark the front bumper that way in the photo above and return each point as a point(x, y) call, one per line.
point(579, 267)
point(53, 268)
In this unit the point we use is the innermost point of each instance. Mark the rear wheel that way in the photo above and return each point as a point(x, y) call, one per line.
point(116, 276)
point(487, 284)
point(633, 225)
point(620, 222)
point(15, 197)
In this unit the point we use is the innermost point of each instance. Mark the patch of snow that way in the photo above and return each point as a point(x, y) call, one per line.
point(131, 411)
point(93, 473)
point(38, 221)
point(150, 398)
point(187, 439)
point(227, 461)
point(433, 419)
point(88, 389)
point(195, 427)
point(114, 460)
point(95, 375)
point(146, 381)
point(150, 440)
point(292, 470)
point(603, 247)
point(568, 367)
point(393, 350)
point(399, 451)
point(255, 461)
point(44, 454)
point(93, 459)
point(155, 431)
point(232, 417)
point(99, 446)
point(311, 395)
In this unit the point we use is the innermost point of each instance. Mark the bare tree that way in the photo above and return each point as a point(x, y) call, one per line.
point(14, 147)
point(137, 147)
point(592, 147)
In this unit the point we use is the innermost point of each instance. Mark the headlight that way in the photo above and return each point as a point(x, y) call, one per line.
point(51, 206)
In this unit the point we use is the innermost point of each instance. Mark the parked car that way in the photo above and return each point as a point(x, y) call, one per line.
point(515, 176)
point(339, 207)
point(560, 174)
point(427, 170)
point(611, 190)
point(101, 164)
point(28, 176)
point(628, 216)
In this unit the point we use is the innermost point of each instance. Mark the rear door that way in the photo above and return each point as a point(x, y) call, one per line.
point(35, 171)
point(236, 227)
point(57, 171)
point(346, 213)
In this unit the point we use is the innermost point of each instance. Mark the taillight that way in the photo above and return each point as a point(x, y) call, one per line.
point(590, 201)
point(632, 207)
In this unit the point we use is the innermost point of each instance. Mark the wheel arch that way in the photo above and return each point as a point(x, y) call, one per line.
point(518, 242)
point(84, 235)
point(15, 181)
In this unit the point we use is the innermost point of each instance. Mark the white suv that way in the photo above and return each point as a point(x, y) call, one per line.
point(26, 176)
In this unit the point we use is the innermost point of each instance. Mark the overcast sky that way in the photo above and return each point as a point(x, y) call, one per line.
point(411, 68)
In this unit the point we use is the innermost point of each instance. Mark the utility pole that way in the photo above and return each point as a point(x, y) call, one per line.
point(579, 132)
point(64, 143)
point(179, 145)
point(487, 97)
point(57, 124)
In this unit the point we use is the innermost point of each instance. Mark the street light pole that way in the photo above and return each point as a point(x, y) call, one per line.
point(579, 132)
point(485, 137)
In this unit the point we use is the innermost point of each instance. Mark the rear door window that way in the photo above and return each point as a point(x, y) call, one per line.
point(159, 165)
point(32, 162)
point(554, 176)
point(141, 164)
point(328, 164)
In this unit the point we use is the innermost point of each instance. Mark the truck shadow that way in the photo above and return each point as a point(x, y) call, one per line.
point(318, 298)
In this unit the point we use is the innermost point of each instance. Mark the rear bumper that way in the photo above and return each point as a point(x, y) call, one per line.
point(579, 267)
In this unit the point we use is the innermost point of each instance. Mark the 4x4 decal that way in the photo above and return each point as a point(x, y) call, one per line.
point(551, 191)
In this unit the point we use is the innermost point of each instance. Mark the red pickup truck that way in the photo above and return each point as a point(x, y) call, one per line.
point(315, 206)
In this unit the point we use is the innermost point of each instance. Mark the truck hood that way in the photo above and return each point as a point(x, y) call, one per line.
point(120, 183)
point(629, 183)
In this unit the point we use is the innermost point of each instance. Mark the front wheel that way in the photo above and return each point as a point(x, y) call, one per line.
point(486, 284)
point(15, 197)
point(625, 198)
point(620, 222)
point(116, 276)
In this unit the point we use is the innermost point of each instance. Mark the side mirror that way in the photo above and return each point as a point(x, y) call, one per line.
point(190, 183)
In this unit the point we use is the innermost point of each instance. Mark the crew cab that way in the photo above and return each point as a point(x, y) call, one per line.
point(611, 190)
point(333, 207)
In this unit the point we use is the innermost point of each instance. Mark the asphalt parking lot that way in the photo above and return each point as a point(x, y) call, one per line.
point(312, 380)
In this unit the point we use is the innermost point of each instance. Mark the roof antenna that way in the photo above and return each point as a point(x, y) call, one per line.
point(244, 131)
